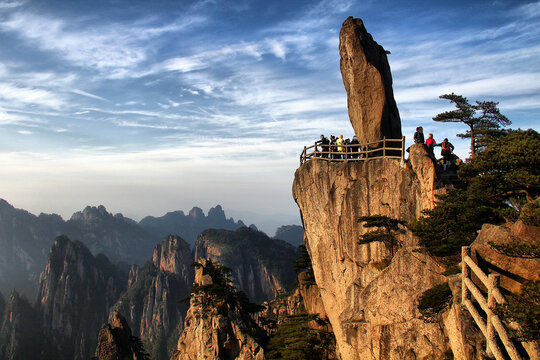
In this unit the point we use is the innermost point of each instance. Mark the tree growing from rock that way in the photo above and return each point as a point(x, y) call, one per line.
point(501, 179)
point(387, 230)
point(483, 119)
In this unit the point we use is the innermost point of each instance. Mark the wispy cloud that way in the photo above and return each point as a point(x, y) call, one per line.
point(30, 96)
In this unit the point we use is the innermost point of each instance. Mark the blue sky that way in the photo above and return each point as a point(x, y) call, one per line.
point(148, 107)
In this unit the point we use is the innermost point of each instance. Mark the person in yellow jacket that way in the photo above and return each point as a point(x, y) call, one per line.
point(339, 143)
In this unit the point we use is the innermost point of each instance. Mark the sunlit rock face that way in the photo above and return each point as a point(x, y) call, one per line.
point(216, 330)
point(151, 302)
point(261, 267)
point(368, 82)
point(370, 292)
point(370, 296)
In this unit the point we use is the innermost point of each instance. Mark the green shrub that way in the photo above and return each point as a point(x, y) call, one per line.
point(523, 308)
point(530, 213)
point(435, 299)
point(518, 248)
point(295, 340)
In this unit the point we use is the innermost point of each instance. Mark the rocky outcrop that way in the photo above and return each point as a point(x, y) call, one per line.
point(261, 267)
point(151, 302)
point(515, 270)
point(368, 82)
point(189, 226)
point(217, 324)
point(369, 295)
point(293, 234)
point(75, 293)
point(116, 342)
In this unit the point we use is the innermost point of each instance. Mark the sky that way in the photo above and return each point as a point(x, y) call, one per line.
point(149, 107)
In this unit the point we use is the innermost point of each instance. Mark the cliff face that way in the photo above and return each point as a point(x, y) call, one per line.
point(217, 325)
point(75, 293)
point(261, 267)
point(116, 342)
point(368, 82)
point(369, 295)
point(151, 300)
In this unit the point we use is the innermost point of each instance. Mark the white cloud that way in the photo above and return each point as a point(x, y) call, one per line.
point(30, 96)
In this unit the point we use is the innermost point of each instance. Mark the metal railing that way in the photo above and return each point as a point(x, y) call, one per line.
point(385, 148)
point(491, 325)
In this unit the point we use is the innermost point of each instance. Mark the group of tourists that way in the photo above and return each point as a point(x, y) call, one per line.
point(446, 147)
point(338, 148)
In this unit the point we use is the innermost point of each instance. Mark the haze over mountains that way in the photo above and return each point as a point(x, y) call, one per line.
point(78, 290)
point(25, 239)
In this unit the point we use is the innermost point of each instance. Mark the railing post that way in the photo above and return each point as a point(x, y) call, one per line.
point(465, 273)
point(494, 281)
point(384, 146)
point(403, 149)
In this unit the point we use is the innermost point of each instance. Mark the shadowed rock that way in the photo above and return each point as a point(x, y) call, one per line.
point(368, 82)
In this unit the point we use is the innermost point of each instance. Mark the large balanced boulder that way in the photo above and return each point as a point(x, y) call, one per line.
point(368, 82)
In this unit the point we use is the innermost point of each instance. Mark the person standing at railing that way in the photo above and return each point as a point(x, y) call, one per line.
point(324, 146)
point(354, 149)
point(339, 143)
point(333, 147)
point(347, 148)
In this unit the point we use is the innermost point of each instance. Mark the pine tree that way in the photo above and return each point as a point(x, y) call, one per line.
point(483, 119)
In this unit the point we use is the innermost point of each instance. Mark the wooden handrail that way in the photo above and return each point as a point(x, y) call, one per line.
point(363, 152)
point(492, 327)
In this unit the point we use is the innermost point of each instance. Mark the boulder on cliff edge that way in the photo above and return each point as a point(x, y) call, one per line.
point(366, 75)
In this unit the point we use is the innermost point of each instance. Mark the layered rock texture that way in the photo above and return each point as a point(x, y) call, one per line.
point(75, 294)
point(151, 302)
point(261, 267)
point(116, 342)
point(369, 296)
point(218, 325)
point(369, 291)
point(515, 270)
point(368, 82)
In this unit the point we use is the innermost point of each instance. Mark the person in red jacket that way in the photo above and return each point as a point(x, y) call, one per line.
point(430, 143)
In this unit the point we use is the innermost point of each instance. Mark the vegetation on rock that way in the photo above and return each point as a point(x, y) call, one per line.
point(303, 263)
point(296, 340)
point(524, 308)
point(220, 295)
point(502, 178)
point(434, 300)
point(483, 126)
point(387, 230)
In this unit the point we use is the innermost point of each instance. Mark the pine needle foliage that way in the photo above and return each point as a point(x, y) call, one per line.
point(523, 308)
point(483, 119)
point(295, 340)
point(500, 183)
point(387, 230)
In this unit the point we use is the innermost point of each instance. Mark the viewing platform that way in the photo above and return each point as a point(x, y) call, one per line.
point(384, 148)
